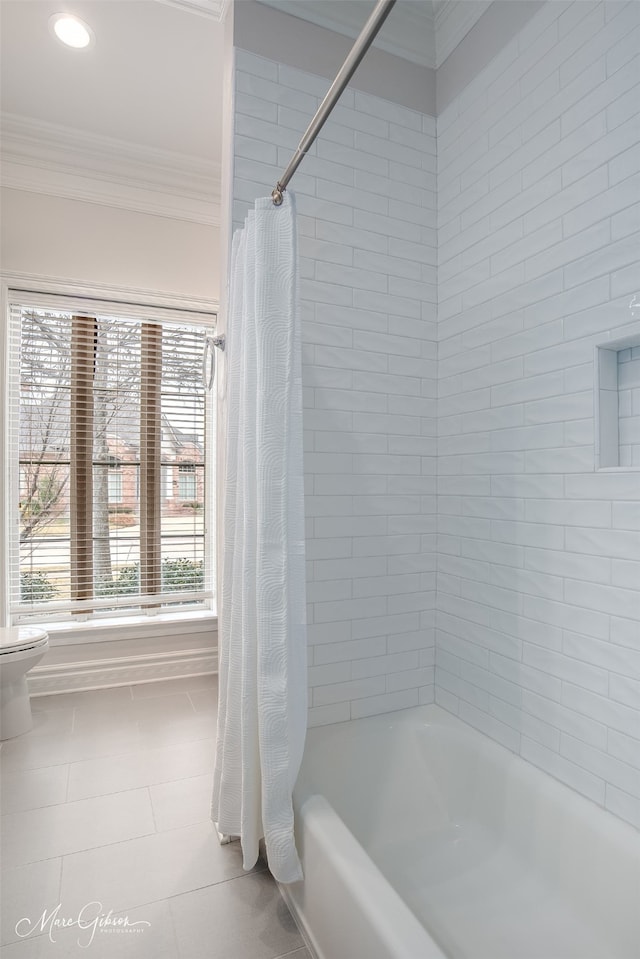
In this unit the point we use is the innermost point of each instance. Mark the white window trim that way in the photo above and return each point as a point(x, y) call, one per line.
point(126, 627)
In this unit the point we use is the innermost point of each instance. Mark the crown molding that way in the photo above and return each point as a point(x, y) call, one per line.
point(414, 43)
point(403, 35)
point(421, 31)
point(41, 157)
point(214, 9)
point(453, 20)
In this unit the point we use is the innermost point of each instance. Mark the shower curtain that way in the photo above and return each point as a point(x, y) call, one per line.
point(262, 649)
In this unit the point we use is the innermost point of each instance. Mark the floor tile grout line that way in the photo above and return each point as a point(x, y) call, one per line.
point(294, 952)
point(109, 756)
point(119, 842)
point(31, 769)
point(193, 705)
point(98, 706)
point(115, 792)
point(78, 852)
point(153, 811)
point(67, 802)
point(161, 682)
point(60, 878)
point(208, 885)
point(66, 792)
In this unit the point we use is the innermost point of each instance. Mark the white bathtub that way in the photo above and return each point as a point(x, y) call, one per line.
point(423, 839)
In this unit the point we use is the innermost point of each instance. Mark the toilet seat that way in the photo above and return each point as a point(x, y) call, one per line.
point(20, 639)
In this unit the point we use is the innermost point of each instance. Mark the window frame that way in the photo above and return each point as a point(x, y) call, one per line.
point(187, 471)
point(136, 304)
point(114, 473)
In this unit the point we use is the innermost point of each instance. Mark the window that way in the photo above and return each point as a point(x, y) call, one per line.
point(111, 444)
point(187, 481)
point(115, 484)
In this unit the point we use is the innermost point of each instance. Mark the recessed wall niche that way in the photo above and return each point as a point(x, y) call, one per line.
point(618, 404)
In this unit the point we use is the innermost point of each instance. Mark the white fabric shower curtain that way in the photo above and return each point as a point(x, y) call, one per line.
point(262, 634)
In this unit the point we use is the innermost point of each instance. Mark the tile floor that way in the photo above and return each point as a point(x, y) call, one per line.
point(105, 808)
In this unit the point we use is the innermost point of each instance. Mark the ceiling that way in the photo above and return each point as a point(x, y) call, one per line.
point(136, 120)
point(154, 76)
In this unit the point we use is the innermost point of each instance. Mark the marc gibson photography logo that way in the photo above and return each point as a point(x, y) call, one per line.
point(91, 919)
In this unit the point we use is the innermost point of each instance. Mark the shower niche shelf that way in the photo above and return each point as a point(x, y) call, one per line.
point(617, 404)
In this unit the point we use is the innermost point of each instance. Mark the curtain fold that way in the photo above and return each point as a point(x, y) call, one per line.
point(262, 614)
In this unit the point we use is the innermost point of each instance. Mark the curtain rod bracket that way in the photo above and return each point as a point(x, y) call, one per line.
point(277, 195)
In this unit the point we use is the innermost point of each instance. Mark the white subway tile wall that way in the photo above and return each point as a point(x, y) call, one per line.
point(367, 219)
point(538, 602)
point(449, 391)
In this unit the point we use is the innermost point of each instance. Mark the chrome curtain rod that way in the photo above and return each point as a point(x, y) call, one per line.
point(348, 68)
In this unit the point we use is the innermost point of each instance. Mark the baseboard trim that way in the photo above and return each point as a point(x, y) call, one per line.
point(121, 671)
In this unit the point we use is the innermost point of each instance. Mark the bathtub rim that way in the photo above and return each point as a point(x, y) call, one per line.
point(316, 810)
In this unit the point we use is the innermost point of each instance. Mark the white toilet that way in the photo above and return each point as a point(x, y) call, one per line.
point(21, 647)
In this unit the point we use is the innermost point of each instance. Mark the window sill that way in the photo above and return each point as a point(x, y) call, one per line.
point(131, 628)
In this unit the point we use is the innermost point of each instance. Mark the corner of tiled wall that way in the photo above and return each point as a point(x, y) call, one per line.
point(538, 621)
point(366, 203)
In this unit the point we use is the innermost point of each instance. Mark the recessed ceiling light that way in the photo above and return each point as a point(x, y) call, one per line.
point(71, 31)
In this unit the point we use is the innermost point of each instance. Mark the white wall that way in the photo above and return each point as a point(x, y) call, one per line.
point(367, 221)
point(71, 239)
point(538, 622)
